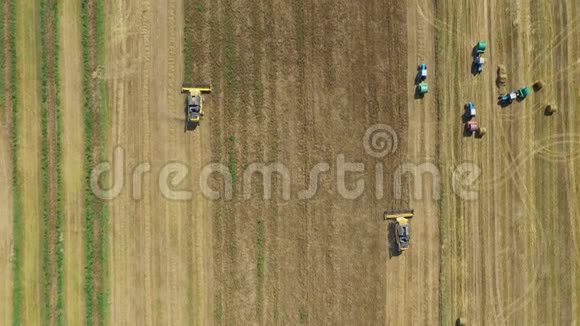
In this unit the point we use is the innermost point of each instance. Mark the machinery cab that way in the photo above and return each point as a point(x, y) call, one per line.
point(479, 61)
point(422, 74)
point(508, 98)
point(194, 108)
point(403, 234)
point(470, 111)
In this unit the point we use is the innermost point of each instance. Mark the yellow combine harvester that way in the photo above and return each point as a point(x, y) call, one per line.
point(194, 109)
point(402, 227)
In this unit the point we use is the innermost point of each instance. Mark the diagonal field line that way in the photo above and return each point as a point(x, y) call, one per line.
point(538, 147)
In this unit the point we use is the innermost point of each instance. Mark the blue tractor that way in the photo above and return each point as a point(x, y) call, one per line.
point(478, 63)
point(470, 111)
point(422, 73)
point(508, 98)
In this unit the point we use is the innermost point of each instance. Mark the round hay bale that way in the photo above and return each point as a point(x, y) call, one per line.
point(501, 76)
point(551, 109)
point(501, 69)
point(461, 321)
point(538, 85)
point(482, 132)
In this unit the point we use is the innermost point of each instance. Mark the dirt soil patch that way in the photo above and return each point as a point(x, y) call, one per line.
point(305, 93)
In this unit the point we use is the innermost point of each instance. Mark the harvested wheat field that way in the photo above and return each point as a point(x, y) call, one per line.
point(122, 204)
point(509, 257)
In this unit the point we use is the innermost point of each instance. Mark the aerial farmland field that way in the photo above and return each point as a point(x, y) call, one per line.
point(257, 193)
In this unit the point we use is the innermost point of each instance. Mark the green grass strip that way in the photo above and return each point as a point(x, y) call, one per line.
point(60, 317)
point(95, 210)
point(88, 163)
point(103, 295)
point(44, 166)
point(53, 11)
point(18, 226)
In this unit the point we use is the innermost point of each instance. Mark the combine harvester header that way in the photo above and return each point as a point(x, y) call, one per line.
point(405, 213)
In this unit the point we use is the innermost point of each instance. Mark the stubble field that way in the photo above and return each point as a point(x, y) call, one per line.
point(297, 85)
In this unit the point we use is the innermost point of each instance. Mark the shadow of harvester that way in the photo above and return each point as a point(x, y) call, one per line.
point(393, 248)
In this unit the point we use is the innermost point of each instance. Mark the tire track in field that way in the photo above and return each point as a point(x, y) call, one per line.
point(513, 306)
point(422, 131)
point(508, 308)
point(225, 148)
point(72, 166)
point(152, 230)
point(195, 60)
point(132, 231)
point(501, 289)
point(231, 114)
point(516, 305)
point(272, 280)
point(563, 203)
point(248, 143)
point(258, 141)
point(461, 219)
point(193, 283)
point(121, 280)
point(321, 84)
point(196, 31)
point(217, 152)
point(301, 18)
point(541, 147)
point(493, 265)
point(449, 280)
point(176, 213)
point(27, 141)
point(556, 41)
point(169, 286)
